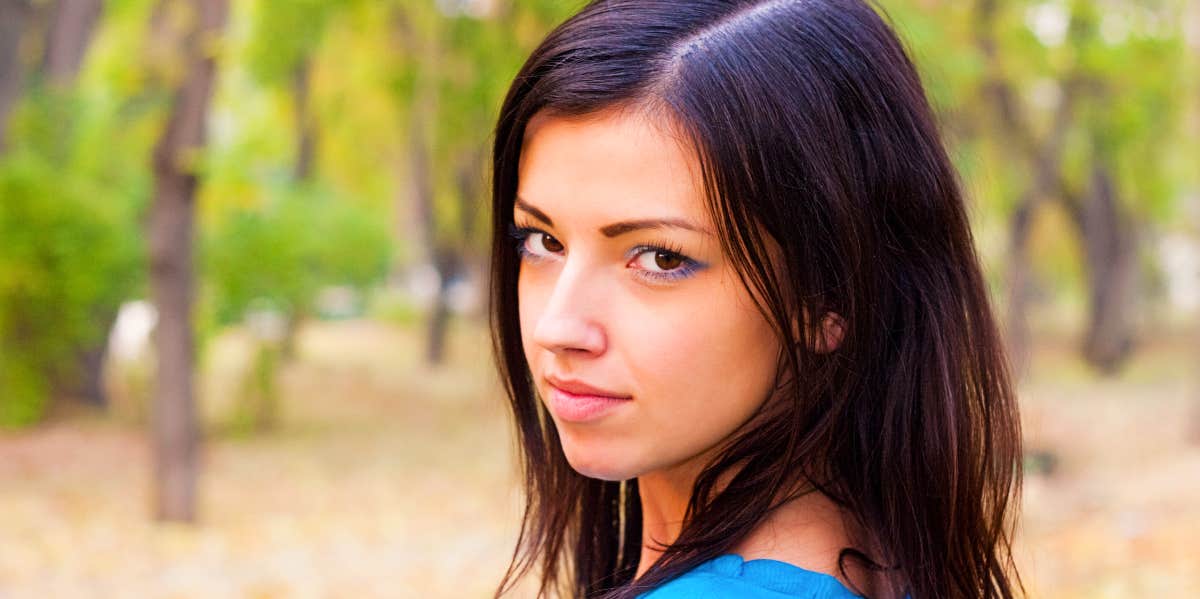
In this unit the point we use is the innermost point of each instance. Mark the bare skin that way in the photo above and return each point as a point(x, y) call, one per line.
point(809, 531)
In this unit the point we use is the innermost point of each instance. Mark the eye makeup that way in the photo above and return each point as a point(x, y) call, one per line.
point(521, 235)
point(687, 268)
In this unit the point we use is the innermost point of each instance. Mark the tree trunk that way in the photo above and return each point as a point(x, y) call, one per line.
point(1016, 322)
point(472, 189)
point(14, 18)
point(413, 206)
point(72, 23)
point(305, 129)
point(176, 443)
point(451, 263)
point(1043, 159)
point(469, 178)
point(449, 266)
point(421, 182)
point(91, 361)
point(1111, 262)
point(302, 171)
point(88, 382)
point(429, 250)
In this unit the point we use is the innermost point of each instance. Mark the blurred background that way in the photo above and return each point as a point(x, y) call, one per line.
point(242, 343)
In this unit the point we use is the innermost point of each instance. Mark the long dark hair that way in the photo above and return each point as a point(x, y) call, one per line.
point(815, 138)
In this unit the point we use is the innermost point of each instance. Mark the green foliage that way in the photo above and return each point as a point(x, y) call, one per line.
point(287, 251)
point(285, 33)
point(23, 391)
point(68, 261)
point(73, 189)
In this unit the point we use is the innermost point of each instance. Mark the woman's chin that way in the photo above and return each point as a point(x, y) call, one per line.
point(602, 465)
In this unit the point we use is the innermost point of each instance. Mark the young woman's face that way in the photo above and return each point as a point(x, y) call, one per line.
point(624, 292)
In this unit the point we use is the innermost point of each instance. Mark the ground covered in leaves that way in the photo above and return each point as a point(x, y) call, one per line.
point(388, 479)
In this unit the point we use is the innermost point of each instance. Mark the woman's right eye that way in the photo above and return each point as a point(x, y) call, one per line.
point(533, 243)
point(541, 244)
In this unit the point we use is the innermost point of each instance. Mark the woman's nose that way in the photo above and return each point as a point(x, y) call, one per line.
point(569, 318)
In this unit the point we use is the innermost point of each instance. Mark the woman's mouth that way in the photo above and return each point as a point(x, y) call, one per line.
point(574, 401)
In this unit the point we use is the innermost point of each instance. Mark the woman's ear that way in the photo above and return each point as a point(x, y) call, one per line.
point(833, 330)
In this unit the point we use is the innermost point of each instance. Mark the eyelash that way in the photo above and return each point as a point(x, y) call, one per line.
point(687, 268)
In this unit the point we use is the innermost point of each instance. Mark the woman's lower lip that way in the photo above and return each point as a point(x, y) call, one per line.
point(582, 408)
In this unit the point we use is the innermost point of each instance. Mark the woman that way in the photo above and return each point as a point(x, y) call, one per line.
point(739, 314)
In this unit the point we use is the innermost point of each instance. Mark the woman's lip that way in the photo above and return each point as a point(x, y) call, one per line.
point(581, 388)
point(574, 407)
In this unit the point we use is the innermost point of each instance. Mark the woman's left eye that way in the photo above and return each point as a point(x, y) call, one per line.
point(661, 264)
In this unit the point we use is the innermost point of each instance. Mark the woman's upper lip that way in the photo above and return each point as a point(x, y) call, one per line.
point(582, 388)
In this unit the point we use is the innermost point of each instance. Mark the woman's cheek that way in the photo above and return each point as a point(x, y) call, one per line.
point(731, 356)
point(531, 300)
point(671, 352)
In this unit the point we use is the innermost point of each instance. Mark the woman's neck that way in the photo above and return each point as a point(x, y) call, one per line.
point(808, 531)
point(664, 497)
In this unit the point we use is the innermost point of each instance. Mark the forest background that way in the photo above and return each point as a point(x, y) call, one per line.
point(292, 194)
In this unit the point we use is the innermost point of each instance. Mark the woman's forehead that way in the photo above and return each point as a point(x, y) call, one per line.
point(614, 163)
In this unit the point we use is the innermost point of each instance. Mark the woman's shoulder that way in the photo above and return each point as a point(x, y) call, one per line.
point(729, 576)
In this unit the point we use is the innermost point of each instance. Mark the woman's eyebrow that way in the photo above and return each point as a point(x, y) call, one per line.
point(623, 227)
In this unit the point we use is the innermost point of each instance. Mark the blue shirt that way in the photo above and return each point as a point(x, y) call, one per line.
point(729, 577)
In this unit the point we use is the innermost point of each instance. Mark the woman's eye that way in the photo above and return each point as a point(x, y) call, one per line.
point(542, 241)
point(655, 260)
point(659, 259)
point(535, 244)
point(660, 263)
